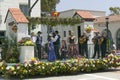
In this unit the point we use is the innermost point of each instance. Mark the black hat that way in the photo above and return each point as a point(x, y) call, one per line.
point(39, 32)
point(56, 32)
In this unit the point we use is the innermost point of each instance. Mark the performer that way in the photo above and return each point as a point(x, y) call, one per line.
point(84, 45)
point(96, 42)
point(72, 49)
point(56, 43)
point(103, 41)
point(39, 43)
point(63, 50)
point(51, 52)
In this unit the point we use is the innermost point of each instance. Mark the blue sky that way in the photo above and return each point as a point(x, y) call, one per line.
point(102, 5)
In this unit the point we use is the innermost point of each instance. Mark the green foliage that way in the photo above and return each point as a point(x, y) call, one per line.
point(115, 10)
point(53, 21)
point(49, 5)
point(10, 52)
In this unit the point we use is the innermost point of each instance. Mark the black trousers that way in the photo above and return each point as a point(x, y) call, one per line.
point(103, 50)
point(39, 50)
point(56, 48)
point(63, 54)
point(84, 50)
point(96, 50)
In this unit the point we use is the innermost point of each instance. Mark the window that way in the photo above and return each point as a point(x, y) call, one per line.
point(24, 8)
point(64, 33)
point(69, 32)
point(2, 33)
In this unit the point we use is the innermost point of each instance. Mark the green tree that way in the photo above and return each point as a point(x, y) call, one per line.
point(114, 10)
point(47, 6)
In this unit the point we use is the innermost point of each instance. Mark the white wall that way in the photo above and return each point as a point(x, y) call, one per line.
point(8, 28)
point(22, 31)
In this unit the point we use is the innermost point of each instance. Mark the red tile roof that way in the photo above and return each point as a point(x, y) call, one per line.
point(85, 14)
point(17, 15)
point(113, 18)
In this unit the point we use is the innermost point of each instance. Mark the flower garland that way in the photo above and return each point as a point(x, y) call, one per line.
point(52, 21)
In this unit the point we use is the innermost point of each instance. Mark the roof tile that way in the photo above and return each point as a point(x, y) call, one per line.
point(112, 18)
point(85, 14)
point(18, 15)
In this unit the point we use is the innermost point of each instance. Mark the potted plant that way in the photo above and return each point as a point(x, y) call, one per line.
point(26, 50)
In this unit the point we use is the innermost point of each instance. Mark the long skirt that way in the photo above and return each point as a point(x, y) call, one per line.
point(72, 51)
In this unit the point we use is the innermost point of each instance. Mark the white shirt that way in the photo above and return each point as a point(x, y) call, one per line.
point(56, 37)
point(33, 38)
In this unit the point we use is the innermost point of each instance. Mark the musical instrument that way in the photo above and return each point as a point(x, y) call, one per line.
point(82, 40)
point(100, 40)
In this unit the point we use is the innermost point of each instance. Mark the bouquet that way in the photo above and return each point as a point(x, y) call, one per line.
point(26, 42)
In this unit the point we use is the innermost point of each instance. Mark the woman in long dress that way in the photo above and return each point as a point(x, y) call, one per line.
point(72, 48)
point(51, 52)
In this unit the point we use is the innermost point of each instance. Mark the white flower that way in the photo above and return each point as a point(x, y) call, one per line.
point(10, 68)
point(18, 67)
point(14, 72)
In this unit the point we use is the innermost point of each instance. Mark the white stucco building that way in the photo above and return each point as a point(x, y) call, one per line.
point(23, 5)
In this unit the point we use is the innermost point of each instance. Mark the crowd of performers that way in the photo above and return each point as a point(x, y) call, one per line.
point(100, 45)
point(69, 48)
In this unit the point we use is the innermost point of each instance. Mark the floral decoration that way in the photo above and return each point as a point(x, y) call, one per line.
point(26, 42)
point(73, 66)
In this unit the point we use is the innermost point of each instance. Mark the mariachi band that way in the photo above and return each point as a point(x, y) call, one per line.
point(99, 45)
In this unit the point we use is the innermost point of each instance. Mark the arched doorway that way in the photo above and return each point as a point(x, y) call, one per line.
point(118, 39)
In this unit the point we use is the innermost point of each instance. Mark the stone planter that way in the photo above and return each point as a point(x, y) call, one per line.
point(26, 53)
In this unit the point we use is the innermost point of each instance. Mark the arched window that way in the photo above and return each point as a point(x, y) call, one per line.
point(118, 39)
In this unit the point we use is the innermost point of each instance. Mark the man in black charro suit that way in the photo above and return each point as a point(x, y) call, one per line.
point(96, 40)
point(103, 45)
point(39, 43)
point(84, 45)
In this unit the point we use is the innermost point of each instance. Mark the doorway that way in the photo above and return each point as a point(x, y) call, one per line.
point(79, 35)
